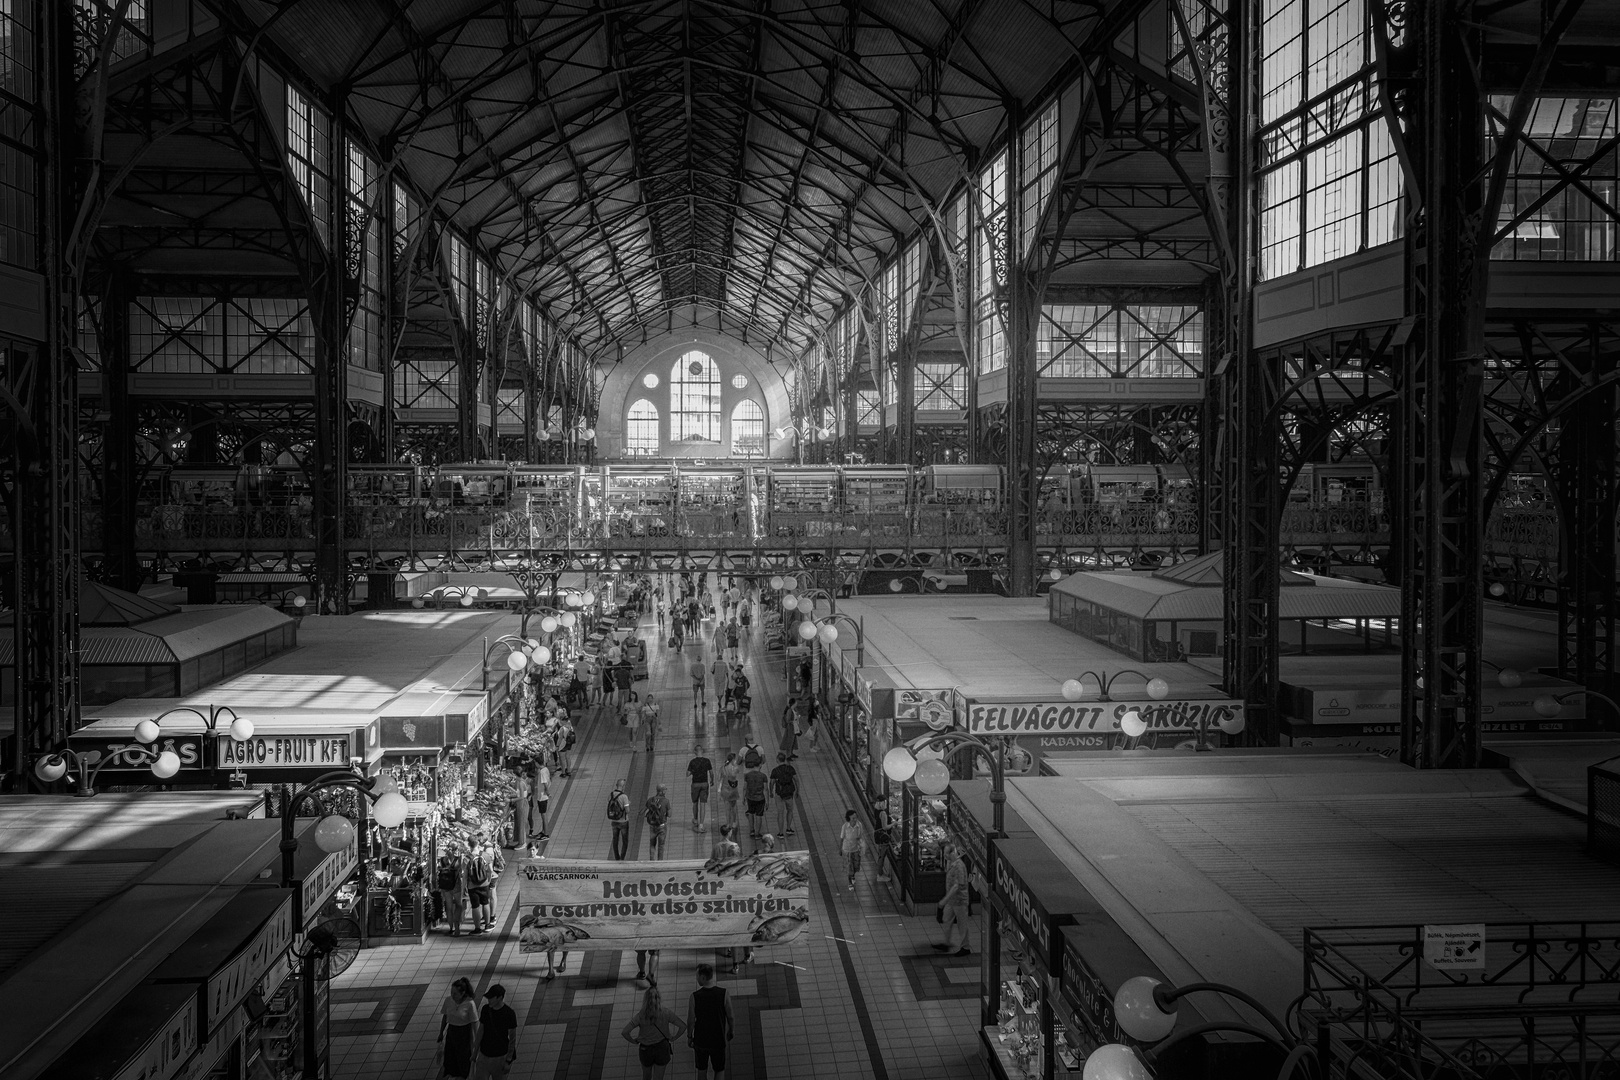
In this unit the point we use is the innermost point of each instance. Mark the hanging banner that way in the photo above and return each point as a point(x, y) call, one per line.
point(753, 900)
point(1061, 717)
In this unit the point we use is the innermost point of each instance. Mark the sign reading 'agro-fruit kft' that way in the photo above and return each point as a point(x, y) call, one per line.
point(286, 751)
point(1053, 717)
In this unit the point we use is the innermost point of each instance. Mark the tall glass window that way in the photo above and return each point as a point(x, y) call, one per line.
point(748, 429)
point(641, 430)
point(19, 227)
point(308, 154)
point(694, 398)
point(1560, 202)
point(1330, 184)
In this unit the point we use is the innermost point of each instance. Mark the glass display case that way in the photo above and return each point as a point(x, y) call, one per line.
point(922, 832)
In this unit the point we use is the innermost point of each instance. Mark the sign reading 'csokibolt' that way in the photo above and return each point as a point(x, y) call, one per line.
point(1059, 717)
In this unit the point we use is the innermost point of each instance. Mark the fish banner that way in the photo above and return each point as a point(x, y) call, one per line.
point(751, 900)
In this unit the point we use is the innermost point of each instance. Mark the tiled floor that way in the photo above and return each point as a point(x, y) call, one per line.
point(860, 995)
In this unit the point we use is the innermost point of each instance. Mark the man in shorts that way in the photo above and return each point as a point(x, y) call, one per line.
point(754, 784)
point(954, 905)
point(785, 785)
point(495, 1036)
point(699, 769)
point(708, 1023)
point(657, 814)
point(700, 674)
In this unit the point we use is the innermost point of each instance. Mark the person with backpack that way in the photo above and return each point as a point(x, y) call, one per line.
point(480, 883)
point(730, 777)
point(565, 745)
point(657, 814)
point(785, 783)
point(677, 636)
point(447, 883)
point(752, 756)
point(733, 640)
point(754, 784)
point(650, 723)
point(618, 812)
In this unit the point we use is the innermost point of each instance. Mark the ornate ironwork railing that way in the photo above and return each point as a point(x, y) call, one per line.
point(1543, 1000)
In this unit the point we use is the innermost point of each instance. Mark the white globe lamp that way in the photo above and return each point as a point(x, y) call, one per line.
point(548, 624)
point(1138, 1012)
point(807, 630)
point(51, 768)
point(466, 599)
point(390, 810)
point(541, 655)
point(568, 619)
point(147, 732)
point(1509, 679)
point(1232, 723)
point(1074, 690)
point(790, 602)
point(166, 765)
point(776, 583)
point(1158, 689)
point(1133, 725)
point(516, 661)
point(933, 776)
point(899, 765)
point(1547, 705)
point(241, 729)
point(334, 833)
point(1115, 1061)
point(828, 633)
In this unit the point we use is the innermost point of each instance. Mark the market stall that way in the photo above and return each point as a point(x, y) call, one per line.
point(1033, 896)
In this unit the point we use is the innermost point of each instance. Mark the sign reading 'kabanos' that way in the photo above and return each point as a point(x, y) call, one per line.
point(1050, 717)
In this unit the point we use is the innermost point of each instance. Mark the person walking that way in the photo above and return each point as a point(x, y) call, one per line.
point(882, 841)
point(623, 675)
point(699, 672)
point(630, 719)
point(708, 1024)
point(679, 634)
point(700, 768)
point(539, 799)
point(607, 681)
point(653, 1028)
point(733, 639)
point(496, 1037)
point(785, 786)
point(790, 732)
point(647, 966)
point(754, 784)
point(565, 745)
point(851, 842)
point(955, 903)
point(656, 813)
point(457, 1018)
point(660, 618)
point(720, 677)
point(730, 776)
point(618, 812)
point(651, 718)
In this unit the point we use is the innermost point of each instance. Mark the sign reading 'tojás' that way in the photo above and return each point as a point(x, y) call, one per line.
point(1048, 717)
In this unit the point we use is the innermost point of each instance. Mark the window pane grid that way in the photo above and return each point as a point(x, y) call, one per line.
point(641, 430)
point(1138, 341)
point(1563, 223)
point(694, 398)
point(748, 429)
point(309, 158)
point(940, 387)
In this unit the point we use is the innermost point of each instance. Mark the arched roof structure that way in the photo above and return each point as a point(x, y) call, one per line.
point(625, 162)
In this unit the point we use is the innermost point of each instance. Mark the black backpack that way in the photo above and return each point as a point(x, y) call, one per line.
point(753, 758)
point(616, 810)
point(449, 876)
point(787, 786)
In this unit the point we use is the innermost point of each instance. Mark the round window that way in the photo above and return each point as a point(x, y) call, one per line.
point(695, 367)
point(649, 380)
point(739, 380)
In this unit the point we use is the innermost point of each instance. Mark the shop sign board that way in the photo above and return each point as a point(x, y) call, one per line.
point(1087, 995)
point(189, 748)
point(230, 984)
point(754, 900)
point(423, 734)
point(218, 1045)
point(1457, 947)
point(1020, 902)
point(931, 707)
point(324, 880)
point(168, 1049)
point(1079, 717)
point(315, 751)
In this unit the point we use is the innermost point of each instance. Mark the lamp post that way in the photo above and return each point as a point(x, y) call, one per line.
point(826, 631)
point(521, 652)
point(1145, 1010)
point(164, 763)
point(333, 833)
point(933, 777)
point(1550, 705)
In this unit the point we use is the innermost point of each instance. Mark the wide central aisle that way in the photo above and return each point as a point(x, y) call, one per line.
point(859, 994)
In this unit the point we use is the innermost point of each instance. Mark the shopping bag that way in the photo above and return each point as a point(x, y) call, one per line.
point(672, 641)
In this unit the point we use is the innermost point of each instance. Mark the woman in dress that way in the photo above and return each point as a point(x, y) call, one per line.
point(653, 1028)
point(457, 1016)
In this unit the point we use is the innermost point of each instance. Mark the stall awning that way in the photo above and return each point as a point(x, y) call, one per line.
point(978, 477)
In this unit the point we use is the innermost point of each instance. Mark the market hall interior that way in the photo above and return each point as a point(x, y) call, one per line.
point(1157, 459)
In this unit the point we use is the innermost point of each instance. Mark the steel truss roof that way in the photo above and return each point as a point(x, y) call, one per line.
point(629, 160)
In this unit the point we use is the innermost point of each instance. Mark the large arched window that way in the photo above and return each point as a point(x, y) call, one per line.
point(748, 429)
point(694, 398)
point(641, 430)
